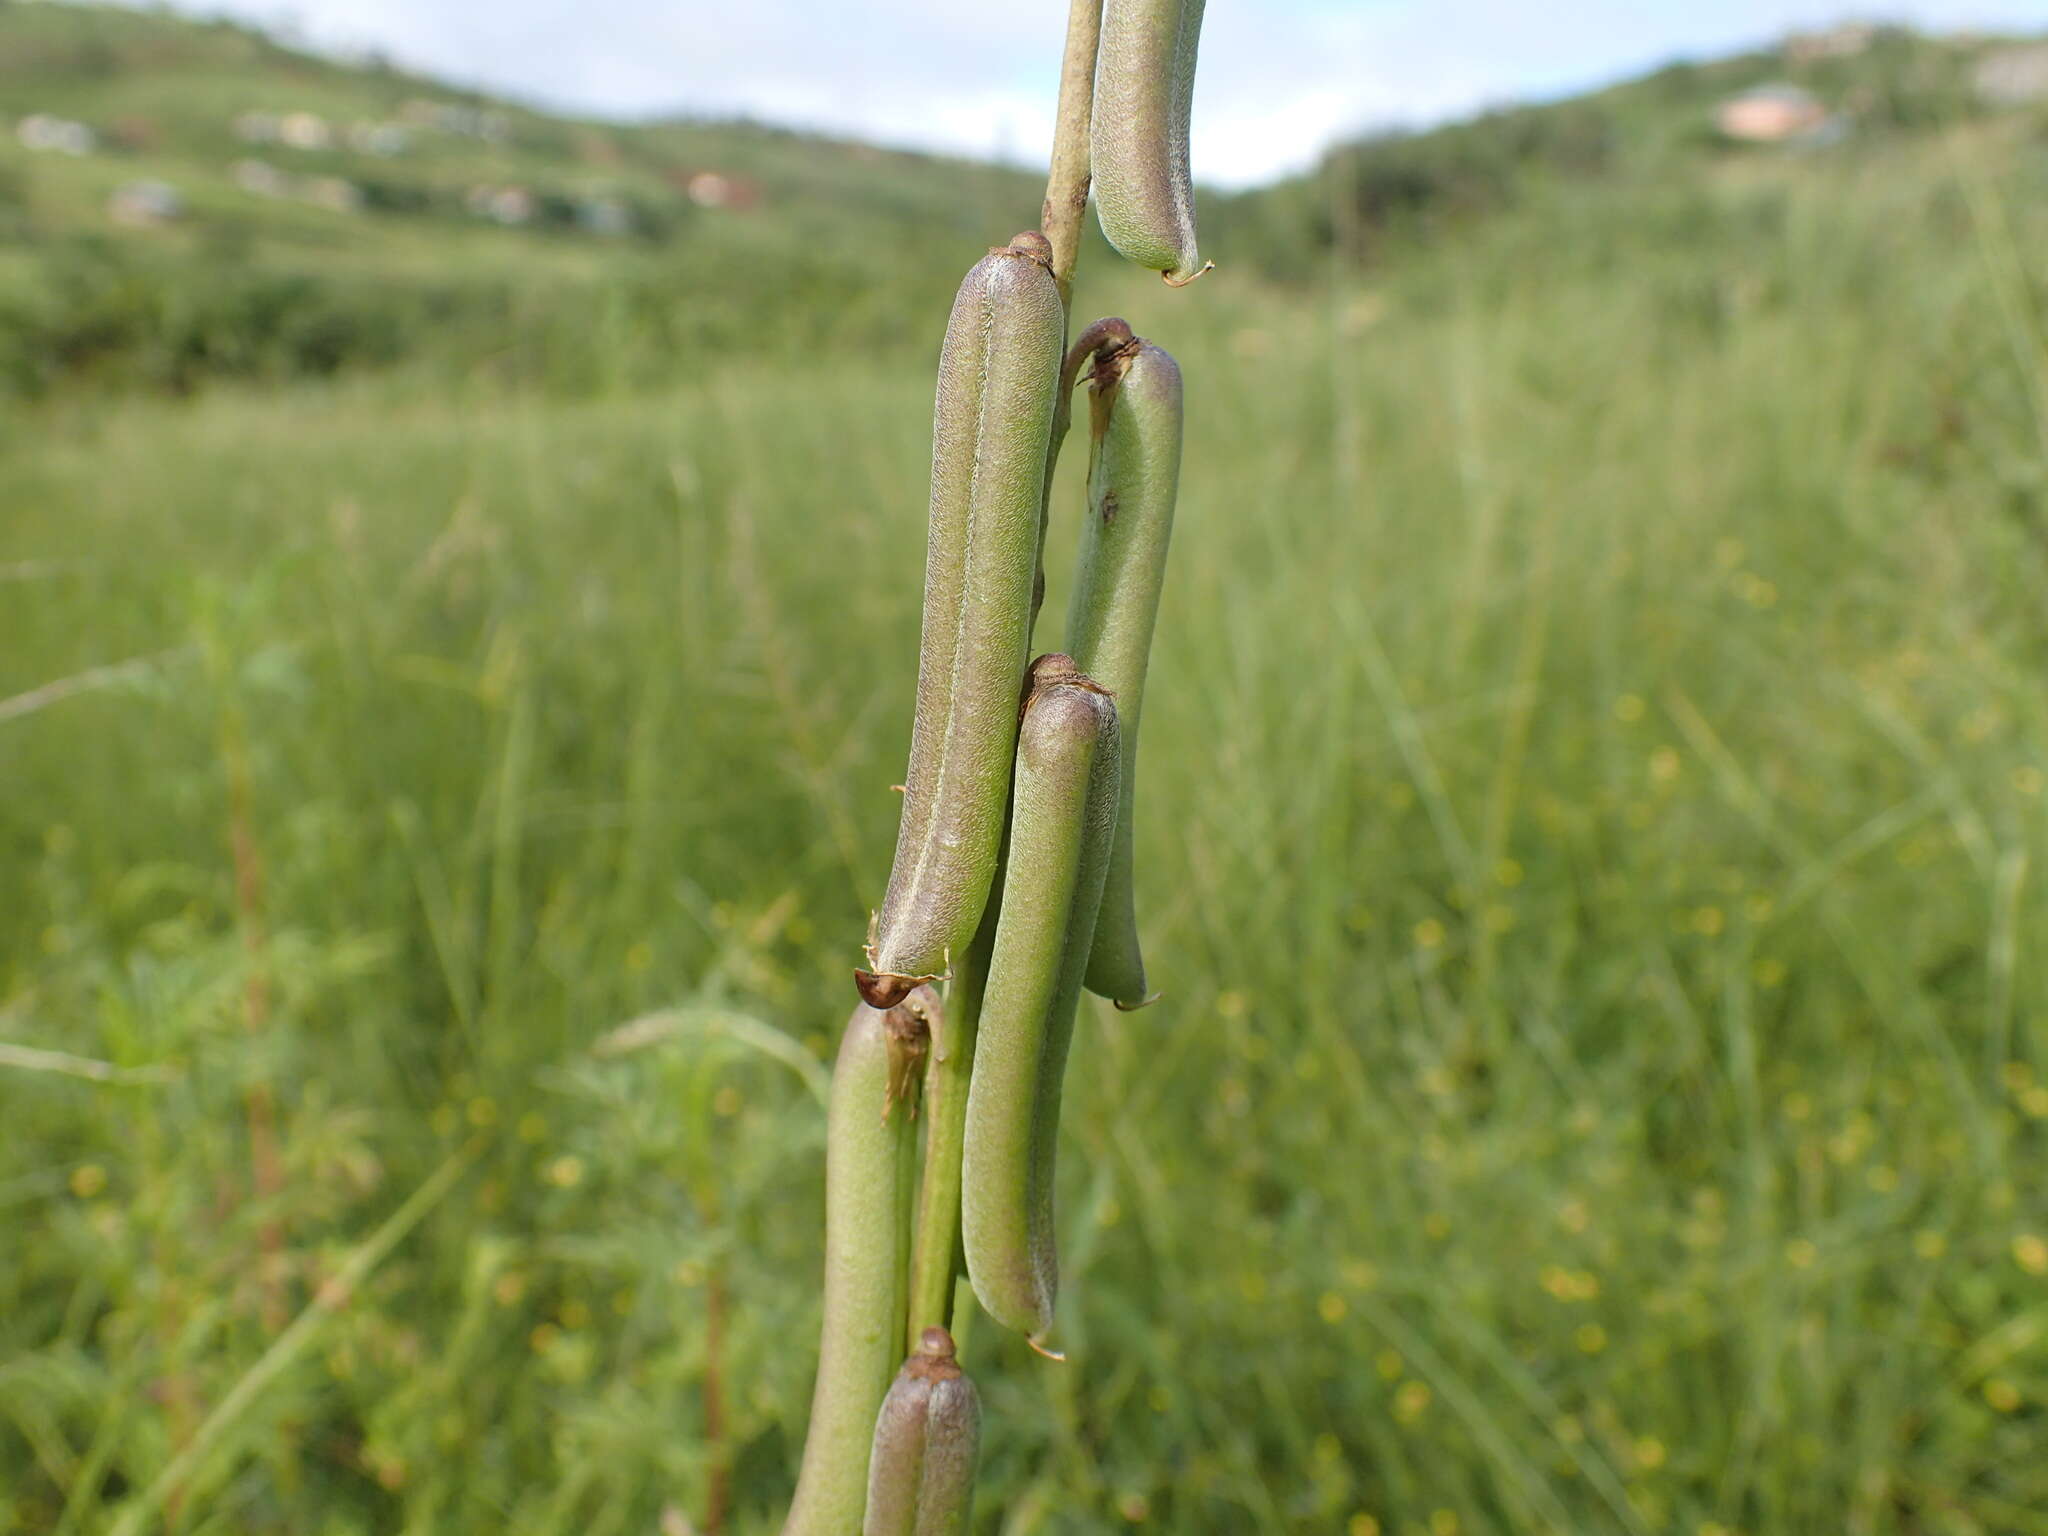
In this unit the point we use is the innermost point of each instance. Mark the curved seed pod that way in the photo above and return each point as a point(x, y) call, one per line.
point(1138, 136)
point(869, 1153)
point(927, 1439)
point(991, 425)
point(1063, 821)
point(1133, 473)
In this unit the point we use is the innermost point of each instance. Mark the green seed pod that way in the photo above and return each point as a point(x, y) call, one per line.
point(927, 1439)
point(1133, 472)
point(869, 1155)
point(1138, 136)
point(991, 426)
point(1063, 822)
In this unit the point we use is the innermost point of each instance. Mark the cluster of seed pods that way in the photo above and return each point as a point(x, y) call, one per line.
point(1012, 878)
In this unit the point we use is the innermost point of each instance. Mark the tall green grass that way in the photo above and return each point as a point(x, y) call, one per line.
point(1595, 855)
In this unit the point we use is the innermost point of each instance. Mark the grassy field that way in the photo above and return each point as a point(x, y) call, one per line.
point(1594, 845)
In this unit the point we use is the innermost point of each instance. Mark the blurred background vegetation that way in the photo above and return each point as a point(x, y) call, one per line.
point(455, 647)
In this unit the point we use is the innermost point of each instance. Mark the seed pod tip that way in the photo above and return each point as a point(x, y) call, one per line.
point(881, 989)
point(1033, 244)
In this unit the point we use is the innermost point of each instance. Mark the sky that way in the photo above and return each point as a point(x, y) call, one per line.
point(1278, 81)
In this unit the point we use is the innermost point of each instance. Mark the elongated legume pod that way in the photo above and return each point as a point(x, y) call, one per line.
point(1062, 824)
point(1133, 473)
point(1138, 136)
point(869, 1155)
point(991, 426)
point(927, 1439)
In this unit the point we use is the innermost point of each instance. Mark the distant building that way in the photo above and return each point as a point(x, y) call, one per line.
point(141, 204)
point(708, 189)
point(383, 139)
point(334, 193)
point(492, 127)
point(2013, 77)
point(305, 130)
point(260, 178)
point(1771, 114)
point(135, 132)
point(60, 135)
point(713, 189)
point(502, 205)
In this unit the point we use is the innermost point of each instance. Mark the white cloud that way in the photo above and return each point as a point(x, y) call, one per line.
point(1279, 79)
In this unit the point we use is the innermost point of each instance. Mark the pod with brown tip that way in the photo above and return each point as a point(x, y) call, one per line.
point(927, 1440)
point(1138, 134)
point(1062, 823)
point(991, 425)
point(1133, 475)
point(869, 1158)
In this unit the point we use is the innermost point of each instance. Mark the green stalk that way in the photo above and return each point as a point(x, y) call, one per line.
point(1066, 187)
point(935, 1255)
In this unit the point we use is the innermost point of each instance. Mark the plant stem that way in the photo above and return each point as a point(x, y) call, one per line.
point(1066, 206)
point(1066, 188)
point(935, 1255)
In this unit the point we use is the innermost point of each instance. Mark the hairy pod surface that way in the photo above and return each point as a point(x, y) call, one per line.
point(998, 372)
point(1133, 474)
point(927, 1440)
point(1063, 821)
point(869, 1155)
point(1138, 137)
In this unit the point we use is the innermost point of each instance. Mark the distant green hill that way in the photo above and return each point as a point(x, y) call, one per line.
point(1875, 87)
point(164, 96)
point(184, 199)
point(512, 236)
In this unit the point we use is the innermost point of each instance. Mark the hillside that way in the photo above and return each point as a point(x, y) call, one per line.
point(308, 213)
point(1869, 91)
point(182, 200)
point(192, 101)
